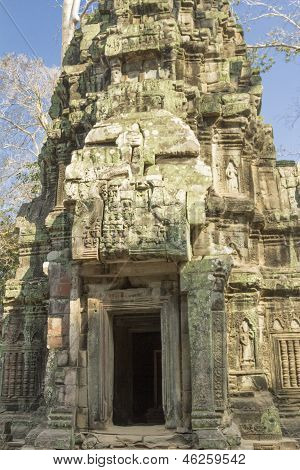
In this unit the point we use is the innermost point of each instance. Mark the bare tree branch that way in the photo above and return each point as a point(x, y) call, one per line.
point(275, 45)
point(87, 6)
point(284, 34)
point(26, 86)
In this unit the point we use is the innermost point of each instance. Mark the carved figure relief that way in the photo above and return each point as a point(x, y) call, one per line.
point(87, 228)
point(116, 72)
point(232, 178)
point(247, 337)
point(235, 253)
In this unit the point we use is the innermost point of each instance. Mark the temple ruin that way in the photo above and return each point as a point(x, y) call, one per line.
point(156, 302)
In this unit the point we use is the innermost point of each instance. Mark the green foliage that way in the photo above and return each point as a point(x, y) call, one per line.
point(260, 60)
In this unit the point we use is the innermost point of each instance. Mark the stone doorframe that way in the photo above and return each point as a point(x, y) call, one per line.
point(101, 351)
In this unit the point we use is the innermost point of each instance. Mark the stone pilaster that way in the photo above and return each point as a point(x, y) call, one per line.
point(204, 282)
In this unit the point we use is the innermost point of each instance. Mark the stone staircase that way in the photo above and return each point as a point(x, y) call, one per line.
point(134, 437)
point(280, 444)
point(60, 418)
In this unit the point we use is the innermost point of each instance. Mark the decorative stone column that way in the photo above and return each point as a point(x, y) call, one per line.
point(100, 366)
point(204, 281)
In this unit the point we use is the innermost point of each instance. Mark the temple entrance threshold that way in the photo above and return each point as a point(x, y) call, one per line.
point(137, 370)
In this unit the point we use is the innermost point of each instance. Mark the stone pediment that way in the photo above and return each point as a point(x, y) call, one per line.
point(137, 220)
point(124, 186)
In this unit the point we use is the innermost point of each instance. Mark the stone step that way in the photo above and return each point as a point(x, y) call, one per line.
point(130, 441)
point(60, 418)
point(60, 424)
point(15, 445)
point(282, 444)
point(56, 423)
point(289, 412)
point(57, 415)
point(61, 410)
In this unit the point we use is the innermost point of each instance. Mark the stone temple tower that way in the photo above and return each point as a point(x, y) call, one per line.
point(159, 270)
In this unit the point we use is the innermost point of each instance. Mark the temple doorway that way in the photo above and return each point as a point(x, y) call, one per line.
point(137, 370)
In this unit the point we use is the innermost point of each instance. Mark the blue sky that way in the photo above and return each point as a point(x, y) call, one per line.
point(39, 21)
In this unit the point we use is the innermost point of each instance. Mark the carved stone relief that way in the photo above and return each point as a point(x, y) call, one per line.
point(247, 349)
point(232, 178)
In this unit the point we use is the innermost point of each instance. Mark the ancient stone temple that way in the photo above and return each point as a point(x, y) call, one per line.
point(159, 275)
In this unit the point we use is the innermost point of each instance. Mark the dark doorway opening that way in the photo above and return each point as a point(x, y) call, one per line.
point(147, 377)
point(137, 370)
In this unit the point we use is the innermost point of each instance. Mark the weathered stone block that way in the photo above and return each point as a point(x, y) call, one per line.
point(82, 376)
point(71, 376)
point(211, 105)
point(166, 442)
point(82, 359)
point(82, 396)
point(62, 358)
point(70, 395)
point(82, 418)
point(54, 439)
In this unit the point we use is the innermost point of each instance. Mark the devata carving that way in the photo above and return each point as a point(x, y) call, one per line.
point(159, 274)
point(247, 345)
point(232, 178)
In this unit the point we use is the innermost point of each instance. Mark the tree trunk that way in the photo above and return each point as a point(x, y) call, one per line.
point(70, 17)
point(75, 11)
